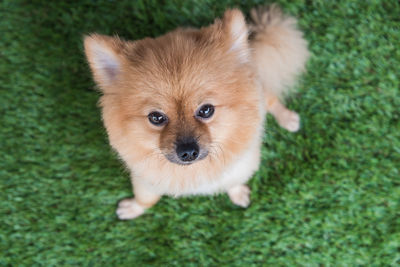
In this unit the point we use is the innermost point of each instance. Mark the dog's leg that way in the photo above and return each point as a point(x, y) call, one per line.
point(240, 195)
point(286, 118)
point(131, 208)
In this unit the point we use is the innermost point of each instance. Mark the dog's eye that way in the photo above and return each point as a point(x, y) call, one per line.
point(205, 111)
point(157, 118)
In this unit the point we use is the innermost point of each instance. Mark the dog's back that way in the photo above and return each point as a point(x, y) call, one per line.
point(279, 54)
point(278, 48)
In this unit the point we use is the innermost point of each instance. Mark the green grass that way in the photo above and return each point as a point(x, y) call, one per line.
point(328, 195)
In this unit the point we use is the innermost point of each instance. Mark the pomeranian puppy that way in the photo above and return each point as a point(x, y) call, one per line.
point(185, 111)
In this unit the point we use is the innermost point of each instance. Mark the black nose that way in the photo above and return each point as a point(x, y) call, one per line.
point(187, 151)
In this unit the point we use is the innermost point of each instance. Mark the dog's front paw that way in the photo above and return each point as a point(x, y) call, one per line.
point(289, 120)
point(129, 209)
point(240, 195)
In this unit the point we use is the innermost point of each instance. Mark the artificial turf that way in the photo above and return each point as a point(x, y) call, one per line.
point(328, 195)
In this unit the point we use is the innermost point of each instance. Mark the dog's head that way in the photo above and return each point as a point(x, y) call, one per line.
point(181, 97)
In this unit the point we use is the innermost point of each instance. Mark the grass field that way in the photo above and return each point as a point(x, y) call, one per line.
point(328, 195)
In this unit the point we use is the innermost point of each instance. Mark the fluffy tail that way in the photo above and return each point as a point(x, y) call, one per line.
point(279, 50)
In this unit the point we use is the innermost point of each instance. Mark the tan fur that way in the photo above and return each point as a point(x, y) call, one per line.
point(279, 56)
point(279, 49)
point(175, 74)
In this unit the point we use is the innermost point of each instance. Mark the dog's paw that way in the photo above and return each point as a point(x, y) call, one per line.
point(289, 120)
point(129, 209)
point(240, 195)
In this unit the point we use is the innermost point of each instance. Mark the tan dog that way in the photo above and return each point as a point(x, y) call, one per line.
point(185, 111)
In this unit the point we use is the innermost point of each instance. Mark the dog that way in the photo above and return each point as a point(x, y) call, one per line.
point(185, 111)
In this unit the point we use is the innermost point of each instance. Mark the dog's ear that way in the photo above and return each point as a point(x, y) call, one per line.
point(235, 26)
point(105, 57)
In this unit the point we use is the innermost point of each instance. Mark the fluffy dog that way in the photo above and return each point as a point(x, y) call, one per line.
point(185, 111)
